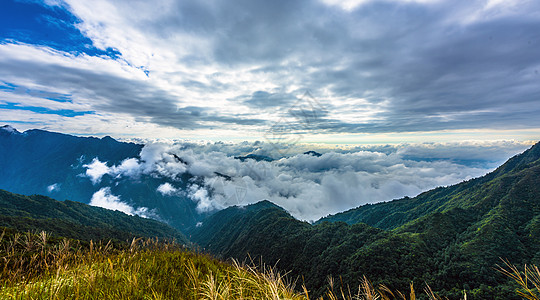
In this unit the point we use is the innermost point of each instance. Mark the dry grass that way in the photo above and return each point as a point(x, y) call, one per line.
point(366, 291)
point(528, 280)
point(36, 266)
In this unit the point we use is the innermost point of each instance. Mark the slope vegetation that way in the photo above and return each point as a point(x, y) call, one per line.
point(450, 238)
point(390, 215)
point(77, 220)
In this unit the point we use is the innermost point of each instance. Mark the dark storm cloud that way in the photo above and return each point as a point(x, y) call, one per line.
point(437, 76)
point(436, 69)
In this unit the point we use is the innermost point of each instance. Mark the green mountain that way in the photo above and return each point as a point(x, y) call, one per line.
point(479, 192)
point(77, 220)
point(449, 237)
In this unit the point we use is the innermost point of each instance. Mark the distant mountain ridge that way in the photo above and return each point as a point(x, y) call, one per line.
point(35, 159)
point(48, 163)
point(77, 220)
point(449, 237)
point(255, 157)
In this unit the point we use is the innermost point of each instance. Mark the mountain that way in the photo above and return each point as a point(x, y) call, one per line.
point(255, 157)
point(33, 160)
point(482, 193)
point(313, 153)
point(264, 231)
point(77, 220)
point(52, 164)
point(449, 237)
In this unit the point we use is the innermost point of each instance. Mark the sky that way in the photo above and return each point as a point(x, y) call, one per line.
point(321, 71)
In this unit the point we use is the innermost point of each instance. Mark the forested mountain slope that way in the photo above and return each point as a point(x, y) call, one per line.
point(450, 238)
point(77, 220)
point(392, 214)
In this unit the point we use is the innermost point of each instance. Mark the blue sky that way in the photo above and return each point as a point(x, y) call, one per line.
point(375, 71)
point(36, 22)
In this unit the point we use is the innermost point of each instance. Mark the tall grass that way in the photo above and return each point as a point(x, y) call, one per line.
point(33, 267)
point(528, 280)
point(38, 266)
point(366, 291)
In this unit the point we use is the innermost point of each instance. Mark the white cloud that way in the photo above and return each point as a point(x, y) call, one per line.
point(494, 151)
point(167, 189)
point(53, 187)
point(145, 212)
point(96, 169)
point(129, 167)
point(104, 198)
point(308, 186)
point(353, 4)
point(204, 202)
point(157, 157)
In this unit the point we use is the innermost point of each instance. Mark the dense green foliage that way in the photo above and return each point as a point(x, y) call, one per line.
point(77, 220)
point(450, 238)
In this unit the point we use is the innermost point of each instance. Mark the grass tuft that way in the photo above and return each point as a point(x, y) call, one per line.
point(528, 279)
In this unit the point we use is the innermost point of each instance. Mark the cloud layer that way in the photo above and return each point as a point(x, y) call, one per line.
point(308, 186)
point(104, 198)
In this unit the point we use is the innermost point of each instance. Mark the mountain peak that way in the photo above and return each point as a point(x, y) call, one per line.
point(519, 161)
point(536, 147)
point(313, 153)
point(256, 157)
point(264, 204)
point(108, 138)
point(9, 129)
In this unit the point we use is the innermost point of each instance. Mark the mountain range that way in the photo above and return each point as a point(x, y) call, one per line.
point(53, 164)
point(450, 237)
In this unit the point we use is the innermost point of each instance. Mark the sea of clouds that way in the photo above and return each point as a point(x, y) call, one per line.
point(307, 186)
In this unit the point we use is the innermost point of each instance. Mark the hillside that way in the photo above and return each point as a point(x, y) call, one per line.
point(38, 266)
point(450, 238)
point(34, 159)
point(77, 220)
point(392, 214)
point(52, 164)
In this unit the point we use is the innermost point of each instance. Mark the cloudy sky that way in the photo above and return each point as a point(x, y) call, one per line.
point(351, 71)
